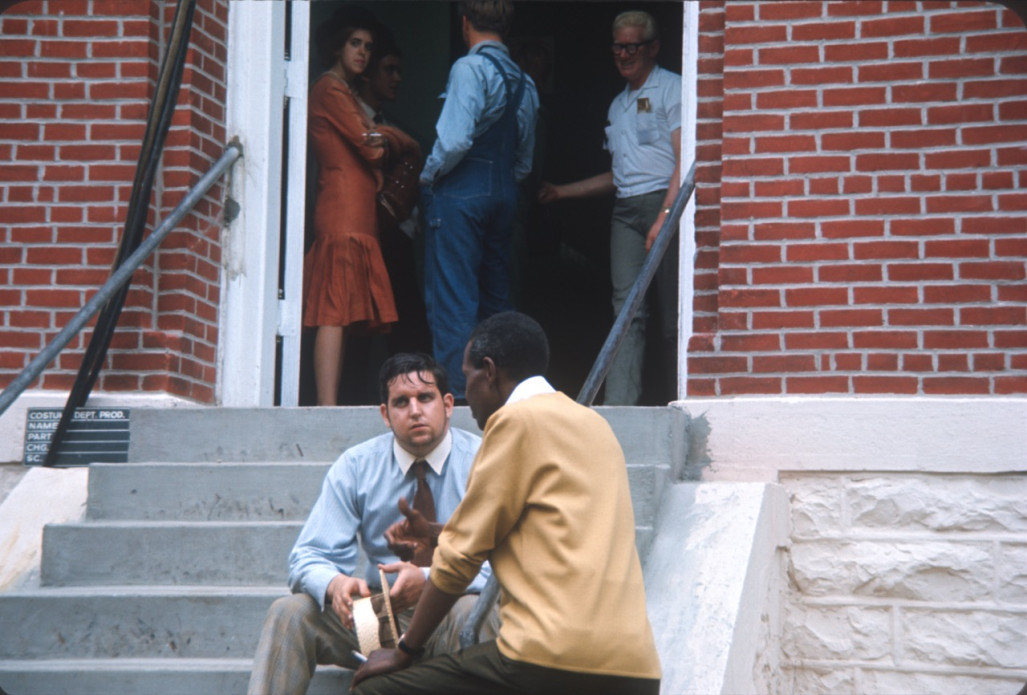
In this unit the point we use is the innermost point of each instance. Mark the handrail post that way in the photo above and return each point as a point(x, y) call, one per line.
point(469, 635)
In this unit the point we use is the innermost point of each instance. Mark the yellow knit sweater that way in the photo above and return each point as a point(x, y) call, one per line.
point(548, 505)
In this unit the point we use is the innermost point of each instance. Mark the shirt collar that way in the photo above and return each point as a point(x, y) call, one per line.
point(436, 458)
point(648, 84)
point(488, 42)
point(532, 386)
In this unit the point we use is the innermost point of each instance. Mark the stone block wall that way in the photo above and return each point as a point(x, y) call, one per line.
point(906, 582)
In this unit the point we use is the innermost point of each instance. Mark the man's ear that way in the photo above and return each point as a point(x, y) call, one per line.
point(491, 371)
point(385, 415)
point(447, 403)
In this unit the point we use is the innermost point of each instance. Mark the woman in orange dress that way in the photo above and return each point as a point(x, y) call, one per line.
point(346, 285)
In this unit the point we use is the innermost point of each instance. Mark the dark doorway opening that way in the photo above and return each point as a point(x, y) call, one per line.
point(564, 279)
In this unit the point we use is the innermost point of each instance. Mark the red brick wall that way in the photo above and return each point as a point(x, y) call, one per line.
point(76, 77)
point(709, 136)
point(872, 234)
point(860, 217)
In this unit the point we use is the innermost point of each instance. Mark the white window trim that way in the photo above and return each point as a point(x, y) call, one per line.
point(686, 231)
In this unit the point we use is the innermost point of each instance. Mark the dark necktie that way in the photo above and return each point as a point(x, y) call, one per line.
point(424, 502)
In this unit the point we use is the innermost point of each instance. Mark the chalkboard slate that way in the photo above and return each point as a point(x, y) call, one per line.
point(97, 435)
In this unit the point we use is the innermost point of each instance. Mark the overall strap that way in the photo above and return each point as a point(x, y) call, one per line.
point(513, 100)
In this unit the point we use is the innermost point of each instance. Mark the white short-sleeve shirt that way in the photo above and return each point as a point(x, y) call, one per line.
point(640, 123)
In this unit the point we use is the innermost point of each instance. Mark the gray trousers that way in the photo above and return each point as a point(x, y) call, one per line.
point(297, 636)
point(631, 220)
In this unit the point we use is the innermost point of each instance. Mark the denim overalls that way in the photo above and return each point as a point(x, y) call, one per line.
point(470, 213)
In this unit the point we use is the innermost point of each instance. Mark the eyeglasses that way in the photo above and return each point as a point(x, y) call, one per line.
point(629, 48)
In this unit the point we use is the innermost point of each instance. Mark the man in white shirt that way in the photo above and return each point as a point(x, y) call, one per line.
point(643, 137)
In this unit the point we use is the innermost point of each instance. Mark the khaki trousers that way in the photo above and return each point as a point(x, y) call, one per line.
point(297, 636)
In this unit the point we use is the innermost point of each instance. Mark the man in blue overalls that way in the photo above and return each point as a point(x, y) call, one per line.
point(485, 137)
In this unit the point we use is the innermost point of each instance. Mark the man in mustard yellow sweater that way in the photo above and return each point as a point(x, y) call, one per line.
point(548, 505)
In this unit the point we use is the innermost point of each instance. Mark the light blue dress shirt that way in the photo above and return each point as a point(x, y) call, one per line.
point(475, 98)
point(358, 503)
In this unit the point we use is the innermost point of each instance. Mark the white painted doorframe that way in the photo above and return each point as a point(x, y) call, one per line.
point(295, 186)
point(254, 313)
point(250, 243)
point(686, 230)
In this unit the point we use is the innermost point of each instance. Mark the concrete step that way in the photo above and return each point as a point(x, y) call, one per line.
point(167, 552)
point(165, 586)
point(255, 434)
point(144, 676)
point(254, 491)
point(204, 491)
point(133, 622)
point(647, 435)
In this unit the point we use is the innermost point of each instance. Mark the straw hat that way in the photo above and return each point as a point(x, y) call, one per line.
point(374, 620)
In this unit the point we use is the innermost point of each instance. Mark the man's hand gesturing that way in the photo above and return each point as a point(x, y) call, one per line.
point(414, 538)
point(406, 587)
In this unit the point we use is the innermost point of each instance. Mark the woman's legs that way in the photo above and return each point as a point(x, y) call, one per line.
point(329, 349)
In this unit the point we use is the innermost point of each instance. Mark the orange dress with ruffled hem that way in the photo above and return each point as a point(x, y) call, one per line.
point(344, 277)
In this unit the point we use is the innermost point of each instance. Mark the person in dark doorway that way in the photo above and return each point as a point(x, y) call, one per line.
point(548, 505)
point(485, 136)
point(643, 136)
point(397, 201)
point(379, 84)
point(358, 503)
point(345, 283)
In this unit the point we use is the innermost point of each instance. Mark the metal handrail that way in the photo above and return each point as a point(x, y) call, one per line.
point(472, 627)
point(119, 277)
point(601, 367)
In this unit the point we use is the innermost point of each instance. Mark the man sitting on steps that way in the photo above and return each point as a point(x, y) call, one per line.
point(359, 498)
point(548, 504)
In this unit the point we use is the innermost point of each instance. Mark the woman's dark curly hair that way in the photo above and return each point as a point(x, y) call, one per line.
point(335, 31)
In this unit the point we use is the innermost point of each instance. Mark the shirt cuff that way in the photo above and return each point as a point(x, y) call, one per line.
point(316, 583)
point(477, 585)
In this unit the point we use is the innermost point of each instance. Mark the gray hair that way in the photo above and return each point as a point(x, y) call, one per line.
point(639, 19)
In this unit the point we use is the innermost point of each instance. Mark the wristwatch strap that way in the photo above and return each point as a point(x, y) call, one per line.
point(408, 650)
